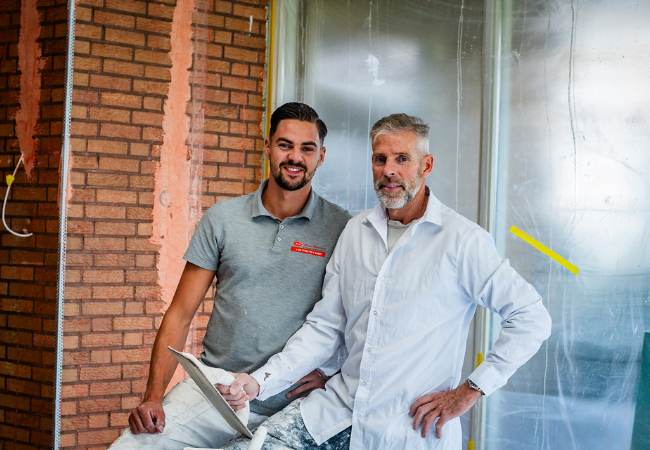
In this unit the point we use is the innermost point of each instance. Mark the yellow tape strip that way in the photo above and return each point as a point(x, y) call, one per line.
point(470, 445)
point(544, 249)
point(10, 179)
point(479, 359)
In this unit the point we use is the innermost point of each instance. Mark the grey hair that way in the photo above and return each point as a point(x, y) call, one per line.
point(402, 123)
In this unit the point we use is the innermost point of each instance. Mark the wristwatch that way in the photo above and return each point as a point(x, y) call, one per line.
point(474, 386)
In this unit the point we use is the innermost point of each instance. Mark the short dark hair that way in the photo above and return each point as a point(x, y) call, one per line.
point(301, 112)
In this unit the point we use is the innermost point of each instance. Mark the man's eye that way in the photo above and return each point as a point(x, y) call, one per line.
point(308, 149)
point(284, 146)
point(380, 160)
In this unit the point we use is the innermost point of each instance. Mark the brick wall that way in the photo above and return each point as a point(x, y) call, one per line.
point(122, 75)
point(28, 265)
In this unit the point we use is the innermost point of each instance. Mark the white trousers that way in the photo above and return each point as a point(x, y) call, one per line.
point(190, 421)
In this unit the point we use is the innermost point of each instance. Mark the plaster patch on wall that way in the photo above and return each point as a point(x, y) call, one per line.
point(29, 64)
point(171, 222)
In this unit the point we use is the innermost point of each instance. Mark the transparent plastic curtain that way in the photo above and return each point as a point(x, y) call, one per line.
point(574, 173)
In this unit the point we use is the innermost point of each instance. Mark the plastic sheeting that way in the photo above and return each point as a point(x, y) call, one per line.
point(573, 171)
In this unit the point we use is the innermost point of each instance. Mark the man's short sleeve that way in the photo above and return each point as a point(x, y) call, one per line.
point(204, 247)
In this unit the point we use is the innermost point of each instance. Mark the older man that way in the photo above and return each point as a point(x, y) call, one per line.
point(399, 294)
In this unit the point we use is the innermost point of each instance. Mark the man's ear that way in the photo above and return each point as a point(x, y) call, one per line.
point(427, 165)
point(267, 147)
point(321, 157)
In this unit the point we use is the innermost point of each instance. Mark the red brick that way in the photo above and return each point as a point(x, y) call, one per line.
point(135, 370)
point(100, 404)
point(113, 292)
point(120, 131)
point(114, 19)
point(115, 228)
point(122, 67)
point(157, 10)
point(126, 100)
point(112, 51)
point(105, 212)
point(246, 11)
point(151, 56)
point(110, 388)
point(100, 146)
point(103, 276)
point(241, 54)
point(74, 391)
point(108, 180)
point(161, 42)
point(102, 308)
point(132, 323)
point(101, 340)
point(83, 96)
point(124, 37)
point(104, 243)
point(17, 273)
point(131, 355)
point(132, 6)
point(99, 373)
point(157, 26)
point(119, 164)
point(114, 196)
point(83, 129)
point(147, 118)
point(99, 436)
point(150, 87)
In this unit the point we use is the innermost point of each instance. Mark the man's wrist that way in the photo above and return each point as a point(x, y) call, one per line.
point(474, 387)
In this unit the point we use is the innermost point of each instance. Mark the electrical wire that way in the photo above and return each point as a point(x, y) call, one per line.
point(10, 180)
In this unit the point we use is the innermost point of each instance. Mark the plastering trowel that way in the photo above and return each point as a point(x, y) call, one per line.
point(206, 377)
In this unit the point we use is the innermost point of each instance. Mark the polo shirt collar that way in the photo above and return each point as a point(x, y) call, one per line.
point(432, 214)
point(259, 209)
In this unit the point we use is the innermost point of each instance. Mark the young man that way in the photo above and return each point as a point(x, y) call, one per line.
point(399, 294)
point(268, 250)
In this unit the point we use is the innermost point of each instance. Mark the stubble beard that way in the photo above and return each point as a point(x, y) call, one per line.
point(288, 185)
point(398, 199)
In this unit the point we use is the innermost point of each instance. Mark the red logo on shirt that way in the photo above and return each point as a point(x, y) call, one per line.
point(308, 249)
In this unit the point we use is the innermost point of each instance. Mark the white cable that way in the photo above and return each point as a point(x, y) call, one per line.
point(5, 203)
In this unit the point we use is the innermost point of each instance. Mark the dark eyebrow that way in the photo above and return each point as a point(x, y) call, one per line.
point(291, 142)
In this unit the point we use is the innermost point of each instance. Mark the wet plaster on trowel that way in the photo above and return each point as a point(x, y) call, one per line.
point(30, 65)
point(171, 222)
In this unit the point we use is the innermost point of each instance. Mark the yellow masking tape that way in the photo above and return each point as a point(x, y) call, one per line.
point(479, 359)
point(470, 445)
point(544, 249)
point(10, 179)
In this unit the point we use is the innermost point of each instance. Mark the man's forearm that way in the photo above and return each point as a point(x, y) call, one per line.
point(192, 286)
point(172, 333)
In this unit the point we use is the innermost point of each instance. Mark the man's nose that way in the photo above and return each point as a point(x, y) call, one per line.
point(389, 169)
point(295, 155)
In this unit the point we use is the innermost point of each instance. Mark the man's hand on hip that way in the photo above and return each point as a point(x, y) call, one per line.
point(443, 406)
point(243, 389)
point(149, 417)
point(311, 381)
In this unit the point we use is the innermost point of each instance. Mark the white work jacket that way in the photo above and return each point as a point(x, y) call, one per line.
point(404, 317)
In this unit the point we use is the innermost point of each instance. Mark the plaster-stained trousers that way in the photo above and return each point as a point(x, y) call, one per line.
point(190, 421)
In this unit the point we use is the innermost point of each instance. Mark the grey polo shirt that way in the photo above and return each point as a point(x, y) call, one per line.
point(269, 276)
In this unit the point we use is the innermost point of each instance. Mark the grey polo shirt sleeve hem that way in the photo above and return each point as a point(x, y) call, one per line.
point(199, 262)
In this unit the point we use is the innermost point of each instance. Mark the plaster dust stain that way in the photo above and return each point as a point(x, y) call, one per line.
point(171, 223)
point(29, 64)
